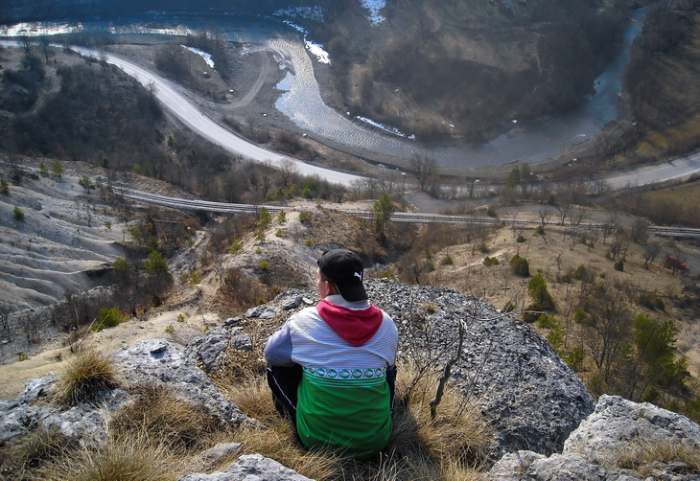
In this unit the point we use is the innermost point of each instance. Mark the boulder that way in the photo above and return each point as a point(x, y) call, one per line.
point(617, 422)
point(592, 452)
point(158, 361)
point(250, 467)
point(529, 395)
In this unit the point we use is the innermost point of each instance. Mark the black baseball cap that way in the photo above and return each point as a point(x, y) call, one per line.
point(344, 269)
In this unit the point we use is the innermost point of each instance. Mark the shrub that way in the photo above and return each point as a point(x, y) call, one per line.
point(447, 260)
point(520, 239)
point(305, 217)
point(582, 273)
point(575, 358)
point(120, 265)
point(4, 187)
point(539, 230)
point(22, 356)
point(520, 266)
point(155, 263)
point(620, 265)
point(18, 214)
point(491, 212)
point(43, 170)
point(309, 242)
point(170, 329)
point(264, 265)
point(483, 248)
point(651, 301)
point(108, 225)
point(86, 183)
point(546, 322)
point(235, 247)
point(108, 317)
point(490, 261)
point(281, 233)
point(541, 298)
point(57, 169)
point(282, 217)
point(86, 376)
point(264, 219)
point(163, 417)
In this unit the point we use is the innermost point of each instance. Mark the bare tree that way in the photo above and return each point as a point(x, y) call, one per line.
point(426, 171)
point(45, 47)
point(544, 214)
point(651, 252)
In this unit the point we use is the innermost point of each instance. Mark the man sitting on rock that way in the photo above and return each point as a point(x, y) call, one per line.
point(331, 367)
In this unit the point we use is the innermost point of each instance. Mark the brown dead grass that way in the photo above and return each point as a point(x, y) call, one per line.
point(126, 458)
point(451, 447)
point(87, 375)
point(164, 418)
point(640, 456)
point(20, 460)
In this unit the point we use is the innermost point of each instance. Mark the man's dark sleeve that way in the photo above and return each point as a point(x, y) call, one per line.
point(278, 349)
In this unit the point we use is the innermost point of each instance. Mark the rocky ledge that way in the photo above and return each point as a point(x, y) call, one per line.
point(620, 441)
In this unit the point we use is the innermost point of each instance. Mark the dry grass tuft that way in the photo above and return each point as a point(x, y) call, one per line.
point(86, 376)
point(162, 417)
point(276, 439)
point(127, 458)
point(20, 460)
point(641, 456)
point(458, 433)
point(451, 447)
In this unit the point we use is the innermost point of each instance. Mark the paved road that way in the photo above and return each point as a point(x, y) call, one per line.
point(408, 217)
point(678, 169)
point(191, 116)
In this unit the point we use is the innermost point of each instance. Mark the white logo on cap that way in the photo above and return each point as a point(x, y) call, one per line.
point(358, 275)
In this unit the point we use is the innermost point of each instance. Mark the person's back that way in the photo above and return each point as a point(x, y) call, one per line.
point(345, 348)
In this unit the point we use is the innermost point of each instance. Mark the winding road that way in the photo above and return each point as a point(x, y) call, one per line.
point(678, 169)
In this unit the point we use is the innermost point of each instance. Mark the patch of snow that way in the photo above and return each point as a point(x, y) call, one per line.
point(208, 59)
point(385, 128)
point(374, 7)
point(314, 13)
point(315, 49)
point(37, 29)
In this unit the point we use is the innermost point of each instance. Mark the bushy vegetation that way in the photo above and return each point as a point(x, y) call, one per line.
point(108, 317)
point(18, 214)
point(20, 460)
point(519, 266)
point(86, 376)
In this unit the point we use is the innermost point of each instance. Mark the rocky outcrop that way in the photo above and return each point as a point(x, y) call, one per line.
point(85, 422)
point(530, 396)
point(618, 433)
point(159, 361)
point(618, 422)
point(150, 362)
point(251, 467)
point(209, 349)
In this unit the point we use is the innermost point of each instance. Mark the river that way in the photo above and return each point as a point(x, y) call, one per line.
point(301, 101)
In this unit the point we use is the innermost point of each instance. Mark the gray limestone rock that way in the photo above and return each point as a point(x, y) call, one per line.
point(85, 422)
point(529, 466)
point(210, 348)
point(291, 302)
point(158, 361)
point(618, 422)
point(216, 454)
point(591, 453)
point(530, 396)
point(250, 467)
